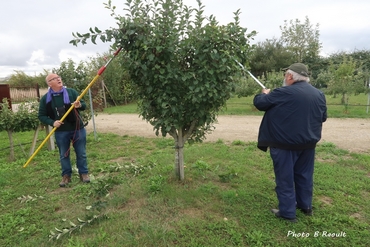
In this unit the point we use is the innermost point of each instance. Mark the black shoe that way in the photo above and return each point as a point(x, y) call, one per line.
point(277, 214)
point(307, 212)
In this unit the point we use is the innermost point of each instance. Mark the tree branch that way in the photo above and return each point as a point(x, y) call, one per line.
point(187, 134)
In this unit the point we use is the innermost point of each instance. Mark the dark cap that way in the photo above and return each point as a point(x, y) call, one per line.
point(299, 68)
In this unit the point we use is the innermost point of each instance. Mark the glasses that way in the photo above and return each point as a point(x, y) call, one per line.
point(55, 78)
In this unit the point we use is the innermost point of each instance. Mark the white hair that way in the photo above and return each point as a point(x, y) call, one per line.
point(298, 77)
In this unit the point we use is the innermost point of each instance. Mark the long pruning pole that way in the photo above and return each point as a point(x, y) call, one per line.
point(251, 75)
point(100, 71)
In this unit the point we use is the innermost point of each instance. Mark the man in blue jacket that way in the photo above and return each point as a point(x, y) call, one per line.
point(291, 128)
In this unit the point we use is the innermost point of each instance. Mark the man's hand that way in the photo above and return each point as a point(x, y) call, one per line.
point(77, 104)
point(57, 123)
point(265, 91)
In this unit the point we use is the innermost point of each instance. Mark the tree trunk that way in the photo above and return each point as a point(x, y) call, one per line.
point(179, 156)
point(181, 136)
point(34, 141)
point(11, 143)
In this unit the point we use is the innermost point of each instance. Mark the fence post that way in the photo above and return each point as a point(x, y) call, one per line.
point(38, 92)
point(51, 144)
point(34, 140)
point(105, 99)
point(92, 112)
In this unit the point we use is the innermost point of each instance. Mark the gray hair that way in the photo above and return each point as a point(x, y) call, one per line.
point(47, 83)
point(298, 77)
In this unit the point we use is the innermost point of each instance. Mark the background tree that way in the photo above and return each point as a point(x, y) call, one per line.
point(246, 86)
point(362, 56)
point(345, 79)
point(302, 39)
point(21, 79)
point(268, 56)
point(116, 79)
point(24, 119)
point(72, 75)
point(274, 79)
point(182, 68)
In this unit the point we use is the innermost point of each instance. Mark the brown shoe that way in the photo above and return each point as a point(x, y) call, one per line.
point(65, 180)
point(85, 178)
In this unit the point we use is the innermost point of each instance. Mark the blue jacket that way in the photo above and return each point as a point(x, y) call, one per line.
point(293, 117)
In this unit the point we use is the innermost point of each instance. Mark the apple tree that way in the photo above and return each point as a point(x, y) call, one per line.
point(24, 119)
point(345, 79)
point(301, 39)
point(181, 63)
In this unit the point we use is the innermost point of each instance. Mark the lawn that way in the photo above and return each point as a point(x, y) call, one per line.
point(135, 200)
point(357, 107)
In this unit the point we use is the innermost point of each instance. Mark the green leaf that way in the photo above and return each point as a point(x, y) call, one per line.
point(97, 30)
point(151, 57)
point(93, 39)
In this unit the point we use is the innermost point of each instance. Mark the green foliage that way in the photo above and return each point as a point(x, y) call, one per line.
point(270, 55)
point(156, 184)
point(119, 87)
point(73, 76)
point(28, 198)
point(23, 119)
point(71, 227)
point(302, 39)
point(182, 65)
point(246, 86)
point(182, 68)
point(344, 79)
point(274, 79)
point(20, 78)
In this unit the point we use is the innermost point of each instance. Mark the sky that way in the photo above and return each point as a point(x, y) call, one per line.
point(35, 34)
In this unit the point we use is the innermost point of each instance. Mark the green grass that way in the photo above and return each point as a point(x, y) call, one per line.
point(357, 107)
point(137, 201)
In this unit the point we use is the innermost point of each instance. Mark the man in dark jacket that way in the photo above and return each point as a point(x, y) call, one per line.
point(53, 105)
point(291, 128)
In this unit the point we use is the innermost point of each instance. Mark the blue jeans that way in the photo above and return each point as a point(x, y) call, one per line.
point(294, 179)
point(78, 140)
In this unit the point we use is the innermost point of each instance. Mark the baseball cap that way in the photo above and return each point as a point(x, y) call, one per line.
point(299, 68)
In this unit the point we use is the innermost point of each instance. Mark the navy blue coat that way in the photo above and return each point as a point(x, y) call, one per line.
point(293, 117)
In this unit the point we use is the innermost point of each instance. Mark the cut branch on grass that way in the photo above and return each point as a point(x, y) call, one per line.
point(58, 233)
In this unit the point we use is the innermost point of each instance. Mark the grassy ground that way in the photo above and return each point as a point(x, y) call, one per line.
point(357, 107)
point(134, 198)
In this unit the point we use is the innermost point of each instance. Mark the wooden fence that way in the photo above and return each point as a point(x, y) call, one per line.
point(24, 94)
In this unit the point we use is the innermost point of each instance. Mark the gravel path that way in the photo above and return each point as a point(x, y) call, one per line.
point(346, 133)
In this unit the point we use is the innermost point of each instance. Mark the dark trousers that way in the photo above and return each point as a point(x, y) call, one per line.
point(78, 140)
point(294, 179)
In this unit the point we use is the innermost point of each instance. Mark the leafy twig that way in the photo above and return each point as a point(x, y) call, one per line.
point(58, 233)
point(28, 198)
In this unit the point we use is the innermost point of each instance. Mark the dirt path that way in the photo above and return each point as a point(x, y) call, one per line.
point(350, 134)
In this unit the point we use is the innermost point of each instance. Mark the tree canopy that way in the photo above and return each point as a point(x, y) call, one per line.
point(181, 63)
point(302, 39)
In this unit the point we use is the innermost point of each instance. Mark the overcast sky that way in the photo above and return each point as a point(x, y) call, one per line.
point(35, 34)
